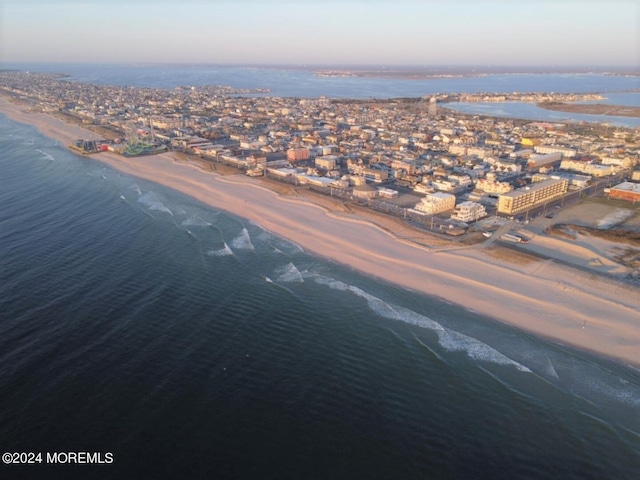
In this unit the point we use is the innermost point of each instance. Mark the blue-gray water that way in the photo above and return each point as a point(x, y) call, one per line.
point(303, 83)
point(191, 343)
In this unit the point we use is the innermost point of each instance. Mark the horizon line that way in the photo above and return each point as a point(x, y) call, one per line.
point(383, 66)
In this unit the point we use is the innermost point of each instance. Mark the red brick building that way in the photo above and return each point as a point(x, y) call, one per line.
point(297, 154)
point(626, 191)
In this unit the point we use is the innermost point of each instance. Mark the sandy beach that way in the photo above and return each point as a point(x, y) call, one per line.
point(565, 305)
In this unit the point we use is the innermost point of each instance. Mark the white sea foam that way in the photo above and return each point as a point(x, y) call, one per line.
point(242, 241)
point(289, 273)
point(195, 221)
point(605, 386)
point(152, 202)
point(615, 217)
point(450, 340)
point(136, 188)
point(46, 155)
point(223, 252)
point(453, 341)
point(550, 369)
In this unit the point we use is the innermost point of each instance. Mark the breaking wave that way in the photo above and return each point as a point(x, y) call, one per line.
point(448, 339)
point(242, 241)
point(195, 221)
point(289, 273)
point(152, 202)
point(46, 155)
point(223, 252)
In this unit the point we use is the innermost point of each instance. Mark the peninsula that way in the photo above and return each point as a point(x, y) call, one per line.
point(560, 297)
point(592, 109)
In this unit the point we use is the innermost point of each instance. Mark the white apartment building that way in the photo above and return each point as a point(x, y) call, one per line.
point(566, 152)
point(457, 149)
point(540, 160)
point(468, 212)
point(328, 162)
point(528, 197)
point(437, 202)
point(625, 162)
point(461, 180)
point(478, 152)
point(506, 167)
point(588, 168)
point(377, 176)
point(491, 185)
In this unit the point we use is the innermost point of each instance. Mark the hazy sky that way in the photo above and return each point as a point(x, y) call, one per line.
point(401, 32)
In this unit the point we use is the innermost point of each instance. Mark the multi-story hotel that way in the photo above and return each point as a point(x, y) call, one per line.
point(528, 197)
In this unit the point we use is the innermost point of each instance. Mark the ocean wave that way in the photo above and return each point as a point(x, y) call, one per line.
point(223, 252)
point(242, 241)
point(448, 339)
point(289, 273)
point(46, 155)
point(195, 221)
point(152, 202)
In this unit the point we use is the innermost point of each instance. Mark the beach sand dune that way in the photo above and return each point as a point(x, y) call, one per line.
point(566, 305)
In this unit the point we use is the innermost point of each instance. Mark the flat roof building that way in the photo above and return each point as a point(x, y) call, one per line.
point(468, 212)
point(626, 191)
point(528, 197)
point(437, 202)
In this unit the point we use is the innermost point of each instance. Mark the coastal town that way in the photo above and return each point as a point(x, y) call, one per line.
point(410, 157)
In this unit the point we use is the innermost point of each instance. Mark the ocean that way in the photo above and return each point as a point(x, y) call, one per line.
point(187, 342)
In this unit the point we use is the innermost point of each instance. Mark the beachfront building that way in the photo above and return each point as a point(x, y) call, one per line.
point(437, 202)
point(468, 212)
point(365, 191)
point(530, 196)
point(628, 191)
point(387, 192)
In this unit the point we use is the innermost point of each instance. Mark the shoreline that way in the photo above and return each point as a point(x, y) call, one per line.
point(551, 301)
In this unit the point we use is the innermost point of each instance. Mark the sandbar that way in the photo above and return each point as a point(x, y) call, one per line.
point(565, 305)
point(592, 109)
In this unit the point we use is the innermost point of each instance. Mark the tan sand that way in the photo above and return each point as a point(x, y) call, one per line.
point(544, 298)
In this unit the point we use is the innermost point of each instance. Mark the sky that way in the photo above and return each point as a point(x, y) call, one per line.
point(328, 32)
